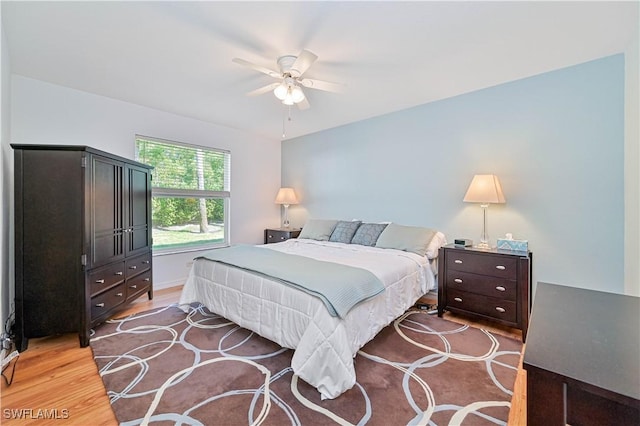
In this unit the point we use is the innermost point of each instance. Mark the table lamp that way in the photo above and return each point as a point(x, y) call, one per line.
point(484, 189)
point(286, 197)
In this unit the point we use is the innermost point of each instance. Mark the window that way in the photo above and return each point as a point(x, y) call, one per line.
point(190, 190)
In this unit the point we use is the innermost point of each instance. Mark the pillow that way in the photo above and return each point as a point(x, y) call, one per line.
point(437, 241)
point(368, 233)
point(318, 229)
point(344, 231)
point(408, 238)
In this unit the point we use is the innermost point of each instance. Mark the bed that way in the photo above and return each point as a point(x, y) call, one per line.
point(324, 344)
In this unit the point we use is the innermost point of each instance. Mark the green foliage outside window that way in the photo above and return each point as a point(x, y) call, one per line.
point(190, 193)
point(184, 168)
point(177, 211)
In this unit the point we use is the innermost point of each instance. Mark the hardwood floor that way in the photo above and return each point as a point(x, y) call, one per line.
point(57, 375)
point(57, 382)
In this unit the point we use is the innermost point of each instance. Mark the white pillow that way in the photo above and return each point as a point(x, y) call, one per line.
point(318, 229)
point(413, 239)
point(437, 241)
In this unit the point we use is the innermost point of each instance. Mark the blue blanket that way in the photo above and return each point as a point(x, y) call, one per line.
point(340, 287)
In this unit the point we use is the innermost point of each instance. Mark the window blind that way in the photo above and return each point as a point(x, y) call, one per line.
point(182, 169)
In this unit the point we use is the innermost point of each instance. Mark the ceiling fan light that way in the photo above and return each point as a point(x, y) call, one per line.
point(288, 99)
point(297, 94)
point(281, 91)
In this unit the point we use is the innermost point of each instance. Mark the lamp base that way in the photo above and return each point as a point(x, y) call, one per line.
point(285, 222)
point(484, 239)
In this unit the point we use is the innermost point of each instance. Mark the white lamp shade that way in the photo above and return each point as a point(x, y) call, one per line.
point(485, 189)
point(286, 196)
point(281, 91)
point(288, 99)
point(297, 94)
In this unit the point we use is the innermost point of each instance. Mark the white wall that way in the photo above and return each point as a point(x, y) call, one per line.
point(632, 167)
point(556, 141)
point(6, 167)
point(43, 113)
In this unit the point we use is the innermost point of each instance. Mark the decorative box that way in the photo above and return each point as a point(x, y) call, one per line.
point(513, 245)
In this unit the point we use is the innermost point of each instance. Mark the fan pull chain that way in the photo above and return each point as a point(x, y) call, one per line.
point(287, 111)
point(284, 134)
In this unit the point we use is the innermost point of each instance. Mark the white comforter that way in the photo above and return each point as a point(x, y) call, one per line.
point(324, 345)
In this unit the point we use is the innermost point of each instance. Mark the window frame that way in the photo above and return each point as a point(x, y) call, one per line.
point(225, 195)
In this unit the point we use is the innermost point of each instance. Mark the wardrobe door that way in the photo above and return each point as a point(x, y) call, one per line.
point(107, 210)
point(138, 210)
point(49, 275)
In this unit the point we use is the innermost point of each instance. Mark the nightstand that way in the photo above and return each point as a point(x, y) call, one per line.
point(278, 235)
point(490, 284)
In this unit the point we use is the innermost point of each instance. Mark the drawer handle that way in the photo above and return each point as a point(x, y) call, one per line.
point(458, 299)
point(457, 261)
point(118, 273)
point(99, 281)
point(147, 279)
point(282, 238)
point(119, 294)
point(133, 267)
point(502, 268)
point(500, 288)
point(499, 309)
point(458, 280)
point(145, 262)
point(270, 236)
point(133, 286)
point(100, 305)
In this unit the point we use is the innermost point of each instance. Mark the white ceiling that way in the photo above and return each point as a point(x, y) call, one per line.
point(176, 56)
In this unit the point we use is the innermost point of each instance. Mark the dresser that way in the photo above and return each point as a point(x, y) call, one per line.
point(490, 284)
point(583, 358)
point(82, 238)
point(278, 235)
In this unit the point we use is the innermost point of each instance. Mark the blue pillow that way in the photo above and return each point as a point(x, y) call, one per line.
point(344, 231)
point(368, 233)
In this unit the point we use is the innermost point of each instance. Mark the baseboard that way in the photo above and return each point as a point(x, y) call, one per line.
point(167, 284)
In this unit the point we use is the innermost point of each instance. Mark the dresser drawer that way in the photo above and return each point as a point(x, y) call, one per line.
point(104, 302)
point(107, 276)
point(498, 288)
point(494, 266)
point(277, 236)
point(138, 264)
point(484, 305)
point(139, 284)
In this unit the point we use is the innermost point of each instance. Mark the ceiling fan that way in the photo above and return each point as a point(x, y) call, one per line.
point(289, 88)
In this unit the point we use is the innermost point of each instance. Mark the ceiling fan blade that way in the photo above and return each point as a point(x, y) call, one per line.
point(263, 90)
point(302, 63)
point(304, 104)
point(327, 86)
point(264, 70)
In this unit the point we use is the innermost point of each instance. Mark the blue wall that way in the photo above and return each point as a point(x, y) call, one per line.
point(555, 140)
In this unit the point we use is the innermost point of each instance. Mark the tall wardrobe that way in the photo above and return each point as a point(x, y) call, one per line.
point(82, 238)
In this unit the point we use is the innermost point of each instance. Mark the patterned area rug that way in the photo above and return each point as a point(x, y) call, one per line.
point(165, 367)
